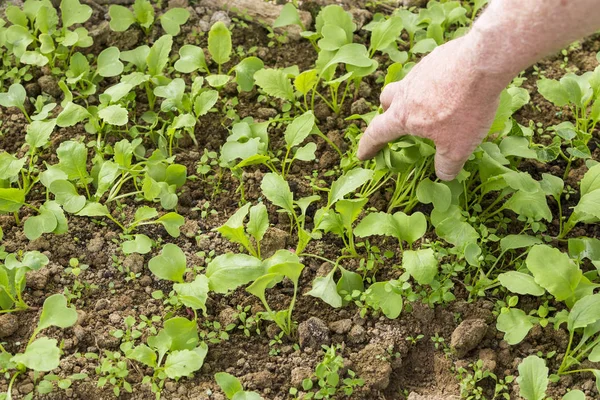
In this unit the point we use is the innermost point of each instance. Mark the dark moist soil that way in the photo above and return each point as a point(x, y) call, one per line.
point(377, 349)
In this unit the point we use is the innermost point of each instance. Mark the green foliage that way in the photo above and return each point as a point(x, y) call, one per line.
point(233, 389)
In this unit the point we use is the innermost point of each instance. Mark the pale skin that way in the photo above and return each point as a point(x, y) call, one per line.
point(452, 94)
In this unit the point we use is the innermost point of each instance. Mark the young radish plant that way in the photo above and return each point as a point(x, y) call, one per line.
point(41, 355)
point(121, 18)
point(229, 271)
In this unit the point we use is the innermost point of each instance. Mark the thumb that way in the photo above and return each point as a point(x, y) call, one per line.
point(446, 167)
point(383, 129)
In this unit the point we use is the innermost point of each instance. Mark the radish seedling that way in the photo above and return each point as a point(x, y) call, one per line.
point(41, 354)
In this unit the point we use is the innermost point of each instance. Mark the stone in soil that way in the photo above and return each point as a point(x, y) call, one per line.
point(357, 334)
point(134, 262)
point(38, 279)
point(313, 333)
point(299, 374)
point(360, 106)
point(9, 324)
point(416, 396)
point(342, 326)
point(275, 239)
point(467, 336)
point(228, 316)
point(372, 366)
point(49, 85)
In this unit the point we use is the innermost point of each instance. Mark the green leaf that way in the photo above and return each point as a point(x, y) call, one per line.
point(55, 312)
point(191, 58)
point(144, 355)
point(324, 288)
point(228, 383)
point(11, 200)
point(205, 101)
point(586, 311)
point(399, 225)
point(245, 70)
point(73, 160)
point(589, 205)
point(10, 166)
point(533, 378)
point(518, 282)
point(554, 271)
point(67, 196)
point(594, 355)
point(424, 46)
point(172, 20)
point(184, 362)
point(349, 282)
point(421, 265)
point(277, 191)
point(106, 176)
point(38, 133)
point(229, 271)
point(144, 13)
point(182, 332)
point(43, 355)
point(114, 115)
point(306, 152)
point(348, 183)
point(158, 56)
point(170, 264)
point(457, 232)
point(71, 115)
point(172, 222)
point(44, 222)
point(219, 43)
point(381, 295)
point(137, 57)
point(289, 16)
point(276, 83)
point(34, 58)
point(15, 97)
point(93, 209)
point(334, 37)
point(553, 91)
point(336, 15)
point(140, 244)
point(511, 242)
point(591, 180)
point(531, 205)
point(62, 225)
point(193, 294)
point(73, 12)
point(299, 129)
point(121, 18)
point(386, 33)
point(218, 81)
point(109, 63)
point(434, 192)
point(589, 248)
point(515, 324)
point(574, 395)
point(233, 228)
point(258, 222)
point(352, 54)
point(306, 81)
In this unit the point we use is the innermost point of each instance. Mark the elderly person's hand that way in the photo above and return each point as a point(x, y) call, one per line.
point(451, 95)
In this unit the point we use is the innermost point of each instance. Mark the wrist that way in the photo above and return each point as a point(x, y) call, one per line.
point(486, 61)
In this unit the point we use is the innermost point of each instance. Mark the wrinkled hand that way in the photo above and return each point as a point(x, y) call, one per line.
point(445, 98)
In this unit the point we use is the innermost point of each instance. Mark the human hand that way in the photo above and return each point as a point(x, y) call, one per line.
point(445, 98)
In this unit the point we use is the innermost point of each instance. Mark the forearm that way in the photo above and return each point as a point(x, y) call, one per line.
point(511, 35)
